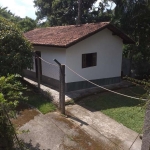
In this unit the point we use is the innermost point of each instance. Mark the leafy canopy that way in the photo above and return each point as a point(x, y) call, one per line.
point(11, 92)
point(65, 12)
point(133, 17)
point(25, 24)
point(15, 50)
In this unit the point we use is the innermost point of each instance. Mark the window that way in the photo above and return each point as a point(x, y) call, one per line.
point(89, 60)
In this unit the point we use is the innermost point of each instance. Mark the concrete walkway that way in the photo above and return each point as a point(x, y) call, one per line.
point(98, 126)
point(55, 132)
point(74, 95)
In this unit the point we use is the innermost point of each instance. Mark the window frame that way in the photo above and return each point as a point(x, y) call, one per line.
point(93, 61)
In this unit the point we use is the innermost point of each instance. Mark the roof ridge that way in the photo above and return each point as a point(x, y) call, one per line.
point(94, 23)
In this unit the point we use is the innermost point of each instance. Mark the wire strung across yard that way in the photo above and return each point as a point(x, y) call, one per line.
point(74, 116)
point(96, 84)
point(111, 92)
point(104, 87)
point(48, 62)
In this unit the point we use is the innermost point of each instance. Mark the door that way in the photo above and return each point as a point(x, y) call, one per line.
point(38, 53)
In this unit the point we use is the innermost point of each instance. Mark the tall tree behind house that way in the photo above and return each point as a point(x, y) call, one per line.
point(65, 12)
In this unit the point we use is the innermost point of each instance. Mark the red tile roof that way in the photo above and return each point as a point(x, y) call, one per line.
point(65, 36)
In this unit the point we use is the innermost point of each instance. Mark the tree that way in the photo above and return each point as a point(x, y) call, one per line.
point(62, 12)
point(15, 50)
point(103, 12)
point(133, 18)
point(11, 92)
point(25, 24)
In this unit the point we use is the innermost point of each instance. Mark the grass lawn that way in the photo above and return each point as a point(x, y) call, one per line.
point(129, 112)
point(38, 100)
point(24, 109)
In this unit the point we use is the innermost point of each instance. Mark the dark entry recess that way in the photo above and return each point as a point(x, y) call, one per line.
point(38, 53)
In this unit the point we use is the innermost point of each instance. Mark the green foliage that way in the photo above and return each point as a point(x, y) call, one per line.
point(39, 102)
point(25, 24)
point(129, 112)
point(10, 93)
point(15, 50)
point(8, 15)
point(133, 18)
point(65, 12)
point(6, 131)
point(145, 83)
point(11, 89)
point(43, 105)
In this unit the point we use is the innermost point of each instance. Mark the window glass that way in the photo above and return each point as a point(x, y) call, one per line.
point(89, 60)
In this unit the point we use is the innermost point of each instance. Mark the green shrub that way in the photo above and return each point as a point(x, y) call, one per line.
point(15, 50)
point(10, 93)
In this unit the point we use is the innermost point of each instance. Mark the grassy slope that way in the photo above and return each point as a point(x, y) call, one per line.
point(127, 111)
point(38, 100)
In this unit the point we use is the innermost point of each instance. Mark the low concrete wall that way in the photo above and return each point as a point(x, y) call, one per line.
point(84, 84)
point(44, 79)
point(29, 74)
point(73, 86)
point(50, 81)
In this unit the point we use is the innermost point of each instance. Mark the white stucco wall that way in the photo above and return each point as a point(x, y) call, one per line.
point(48, 54)
point(109, 57)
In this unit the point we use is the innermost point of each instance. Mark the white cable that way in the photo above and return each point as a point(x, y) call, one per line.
point(105, 88)
point(48, 62)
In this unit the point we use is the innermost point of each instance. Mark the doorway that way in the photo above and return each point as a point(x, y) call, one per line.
point(38, 53)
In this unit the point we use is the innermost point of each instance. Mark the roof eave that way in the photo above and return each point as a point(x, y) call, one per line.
point(49, 45)
point(126, 39)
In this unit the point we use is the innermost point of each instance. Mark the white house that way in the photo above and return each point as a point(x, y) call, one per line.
point(93, 50)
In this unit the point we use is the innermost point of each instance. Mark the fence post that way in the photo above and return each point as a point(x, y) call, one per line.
point(39, 75)
point(61, 87)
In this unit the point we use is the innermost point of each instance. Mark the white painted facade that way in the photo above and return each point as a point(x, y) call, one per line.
point(109, 57)
point(49, 54)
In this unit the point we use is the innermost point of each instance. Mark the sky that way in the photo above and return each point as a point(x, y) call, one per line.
point(22, 8)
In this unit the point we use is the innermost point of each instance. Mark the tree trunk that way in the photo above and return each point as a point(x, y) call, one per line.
point(79, 12)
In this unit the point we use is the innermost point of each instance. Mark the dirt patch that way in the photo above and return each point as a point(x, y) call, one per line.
point(25, 114)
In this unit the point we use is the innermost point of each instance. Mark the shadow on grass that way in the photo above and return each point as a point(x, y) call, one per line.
point(36, 100)
point(129, 112)
point(107, 100)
